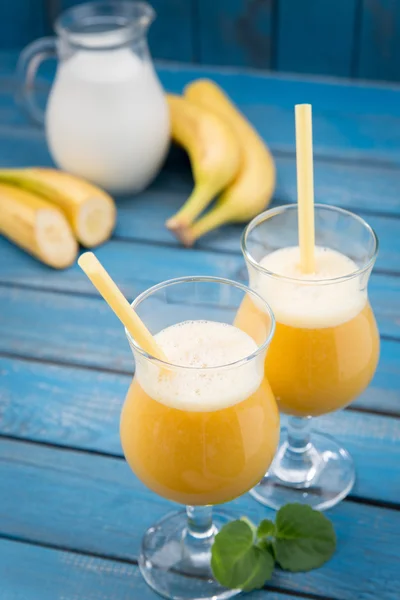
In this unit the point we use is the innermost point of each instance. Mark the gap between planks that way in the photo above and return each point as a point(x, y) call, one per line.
point(129, 375)
point(133, 562)
point(387, 505)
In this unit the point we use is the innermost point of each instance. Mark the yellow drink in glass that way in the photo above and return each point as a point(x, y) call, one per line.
point(320, 359)
point(220, 455)
point(200, 429)
point(326, 345)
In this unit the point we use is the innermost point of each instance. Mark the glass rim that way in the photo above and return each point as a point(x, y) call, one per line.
point(202, 279)
point(129, 25)
point(272, 212)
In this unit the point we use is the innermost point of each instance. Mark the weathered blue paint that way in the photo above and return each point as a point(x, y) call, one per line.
point(379, 52)
point(94, 504)
point(21, 21)
point(357, 38)
point(236, 32)
point(316, 37)
point(49, 574)
point(64, 483)
point(81, 409)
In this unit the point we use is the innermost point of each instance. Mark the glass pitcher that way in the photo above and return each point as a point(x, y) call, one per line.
point(106, 117)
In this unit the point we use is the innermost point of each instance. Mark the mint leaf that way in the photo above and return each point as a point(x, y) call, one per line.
point(250, 524)
point(262, 567)
point(266, 528)
point(243, 555)
point(236, 562)
point(305, 538)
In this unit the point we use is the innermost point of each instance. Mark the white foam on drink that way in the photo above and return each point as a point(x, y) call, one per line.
point(306, 305)
point(201, 344)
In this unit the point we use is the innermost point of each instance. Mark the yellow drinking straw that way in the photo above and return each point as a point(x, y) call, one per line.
point(305, 186)
point(119, 304)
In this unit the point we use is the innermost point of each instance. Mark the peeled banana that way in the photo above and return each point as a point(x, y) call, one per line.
point(90, 211)
point(36, 226)
point(252, 189)
point(214, 154)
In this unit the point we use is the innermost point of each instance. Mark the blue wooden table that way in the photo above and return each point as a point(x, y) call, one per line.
point(71, 512)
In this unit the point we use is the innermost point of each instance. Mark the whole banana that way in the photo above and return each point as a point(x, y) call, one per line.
point(214, 153)
point(251, 191)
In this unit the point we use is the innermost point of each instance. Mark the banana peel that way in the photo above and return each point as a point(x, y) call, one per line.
point(214, 153)
point(252, 189)
point(90, 211)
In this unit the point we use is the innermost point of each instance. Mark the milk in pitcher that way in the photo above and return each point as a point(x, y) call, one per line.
point(107, 118)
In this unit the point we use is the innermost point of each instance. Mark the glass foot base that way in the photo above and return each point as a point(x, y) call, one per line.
point(320, 477)
point(178, 567)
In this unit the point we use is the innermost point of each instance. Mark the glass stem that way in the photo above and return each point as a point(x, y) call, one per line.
point(297, 461)
point(199, 534)
point(200, 523)
point(298, 434)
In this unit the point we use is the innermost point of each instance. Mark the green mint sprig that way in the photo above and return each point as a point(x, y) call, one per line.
point(244, 556)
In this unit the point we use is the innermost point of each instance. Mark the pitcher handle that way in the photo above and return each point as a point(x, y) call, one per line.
point(28, 64)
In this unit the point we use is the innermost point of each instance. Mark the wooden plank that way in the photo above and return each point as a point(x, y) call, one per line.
point(88, 329)
point(61, 405)
point(75, 329)
point(135, 266)
point(18, 267)
point(30, 572)
point(143, 218)
point(334, 96)
point(81, 409)
point(329, 95)
point(349, 121)
point(8, 61)
point(383, 394)
point(21, 21)
point(358, 121)
point(358, 187)
point(172, 35)
point(34, 573)
point(379, 53)
point(364, 190)
point(337, 135)
point(316, 37)
point(133, 217)
point(233, 32)
point(94, 504)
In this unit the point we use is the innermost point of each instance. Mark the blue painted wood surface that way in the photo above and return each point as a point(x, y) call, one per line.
point(21, 21)
point(59, 440)
point(80, 409)
point(93, 504)
point(316, 37)
point(236, 32)
point(51, 574)
point(357, 38)
point(359, 123)
point(379, 53)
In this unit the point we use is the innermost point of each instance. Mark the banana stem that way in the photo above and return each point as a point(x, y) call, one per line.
point(213, 219)
point(198, 200)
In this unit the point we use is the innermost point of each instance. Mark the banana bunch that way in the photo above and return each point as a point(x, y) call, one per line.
point(228, 159)
point(47, 212)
